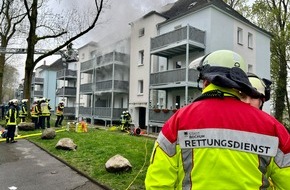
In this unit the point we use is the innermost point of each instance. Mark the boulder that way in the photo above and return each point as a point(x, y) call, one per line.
point(25, 126)
point(48, 133)
point(118, 164)
point(66, 144)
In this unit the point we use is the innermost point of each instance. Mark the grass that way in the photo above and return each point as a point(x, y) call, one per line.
point(96, 147)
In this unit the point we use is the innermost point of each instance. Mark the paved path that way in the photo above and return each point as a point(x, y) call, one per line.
point(25, 166)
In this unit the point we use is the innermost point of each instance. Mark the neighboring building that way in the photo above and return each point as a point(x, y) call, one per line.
point(44, 82)
point(103, 82)
point(186, 31)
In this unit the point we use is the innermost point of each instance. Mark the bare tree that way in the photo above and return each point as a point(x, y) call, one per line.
point(11, 16)
point(61, 32)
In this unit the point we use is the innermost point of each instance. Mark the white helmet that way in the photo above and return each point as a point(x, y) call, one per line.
point(225, 68)
point(261, 85)
point(24, 100)
point(15, 101)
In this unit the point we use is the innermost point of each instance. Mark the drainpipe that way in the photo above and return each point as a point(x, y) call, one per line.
point(113, 85)
point(186, 62)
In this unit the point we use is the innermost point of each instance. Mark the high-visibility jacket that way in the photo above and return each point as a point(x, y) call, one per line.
point(12, 116)
point(45, 109)
point(23, 111)
point(34, 111)
point(220, 143)
point(59, 110)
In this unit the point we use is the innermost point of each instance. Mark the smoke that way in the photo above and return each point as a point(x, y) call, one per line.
point(113, 24)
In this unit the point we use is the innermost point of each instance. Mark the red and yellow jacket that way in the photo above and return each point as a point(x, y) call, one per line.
point(220, 143)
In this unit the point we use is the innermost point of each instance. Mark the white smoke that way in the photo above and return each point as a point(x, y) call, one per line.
point(113, 24)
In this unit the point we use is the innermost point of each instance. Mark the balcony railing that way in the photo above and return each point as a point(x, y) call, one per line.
point(178, 35)
point(111, 57)
point(37, 80)
point(66, 73)
point(105, 59)
point(88, 65)
point(105, 86)
point(160, 116)
point(69, 111)
point(101, 112)
point(66, 91)
point(173, 76)
point(38, 93)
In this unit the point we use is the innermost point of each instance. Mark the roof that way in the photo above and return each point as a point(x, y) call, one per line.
point(184, 7)
point(91, 43)
point(55, 66)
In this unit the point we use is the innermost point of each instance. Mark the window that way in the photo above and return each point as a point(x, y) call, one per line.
point(141, 57)
point(240, 36)
point(250, 40)
point(141, 32)
point(140, 86)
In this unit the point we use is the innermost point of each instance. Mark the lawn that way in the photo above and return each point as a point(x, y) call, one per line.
point(95, 147)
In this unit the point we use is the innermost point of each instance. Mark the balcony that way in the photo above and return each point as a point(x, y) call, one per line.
point(66, 91)
point(174, 43)
point(103, 60)
point(106, 59)
point(119, 86)
point(37, 81)
point(159, 117)
point(66, 74)
point(101, 112)
point(37, 93)
point(88, 66)
point(69, 111)
point(172, 78)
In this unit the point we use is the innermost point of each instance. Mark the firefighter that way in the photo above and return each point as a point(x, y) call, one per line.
point(11, 120)
point(35, 114)
point(59, 114)
point(23, 110)
point(263, 86)
point(125, 121)
point(219, 142)
point(45, 113)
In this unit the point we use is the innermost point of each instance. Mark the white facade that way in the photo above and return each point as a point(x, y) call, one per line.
point(141, 32)
point(221, 30)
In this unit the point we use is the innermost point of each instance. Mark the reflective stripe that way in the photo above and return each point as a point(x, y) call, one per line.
point(187, 158)
point(230, 139)
point(165, 145)
point(264, 161)
point(282, 160)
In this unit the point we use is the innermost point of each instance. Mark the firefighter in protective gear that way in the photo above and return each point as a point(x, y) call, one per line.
point(11, 120)
point(263, 86)
point(35, 114)
point(219, 142)
point(125, 121)
point(59, 114)
point(23, 110)
point(45, 113)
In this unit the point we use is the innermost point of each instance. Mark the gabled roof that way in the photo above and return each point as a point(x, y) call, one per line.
point(55, 66)
point(184, 7)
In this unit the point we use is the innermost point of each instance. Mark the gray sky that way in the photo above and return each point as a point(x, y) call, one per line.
point(115, 18)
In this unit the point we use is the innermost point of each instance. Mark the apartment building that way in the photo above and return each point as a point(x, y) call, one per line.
point(103, 81)
point(44, 82)
point(184, 32)
point(66, 81)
